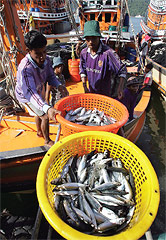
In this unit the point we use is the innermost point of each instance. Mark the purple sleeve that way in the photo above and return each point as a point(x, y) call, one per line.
point(115, 64)
point(29, 90)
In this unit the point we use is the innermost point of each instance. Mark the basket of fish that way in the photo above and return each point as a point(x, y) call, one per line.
point(90, 112)
point(97, 185)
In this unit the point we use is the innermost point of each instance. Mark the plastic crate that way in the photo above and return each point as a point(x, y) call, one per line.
point(110, 106)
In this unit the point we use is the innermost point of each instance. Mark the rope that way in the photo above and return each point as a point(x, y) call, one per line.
point(70, 15)
point(119, 27)
point(6, 63)
point(2, 8)
point(100, 12)
point(81, 11)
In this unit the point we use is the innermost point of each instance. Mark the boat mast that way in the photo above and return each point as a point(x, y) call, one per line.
point(121, 5)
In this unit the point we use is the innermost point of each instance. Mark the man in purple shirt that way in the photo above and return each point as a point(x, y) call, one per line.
point(100, 64)
point(33, 72)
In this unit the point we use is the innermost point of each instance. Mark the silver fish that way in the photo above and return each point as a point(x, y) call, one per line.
point(106, 186)
point(100, 218)
point(93, 191)
point(82, 215)
point(94, 203)
point(83, 111)
point(88, 210)
point(82, 176)
point(67, 193)
point(70, 212)
point(105, 226)
point(70, 186)
point(76, 111)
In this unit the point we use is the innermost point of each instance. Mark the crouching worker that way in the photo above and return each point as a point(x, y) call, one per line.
point(130, 95)
point(33, 72)
point(55, 93)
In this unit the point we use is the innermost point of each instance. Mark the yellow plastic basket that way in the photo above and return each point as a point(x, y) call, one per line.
point(146, 182)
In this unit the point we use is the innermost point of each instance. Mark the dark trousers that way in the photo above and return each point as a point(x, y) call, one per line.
point(142, 60)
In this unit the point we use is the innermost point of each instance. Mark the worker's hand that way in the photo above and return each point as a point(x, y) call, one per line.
point(63, 90)
point(120, 88)
point(52, 112)
point(120, 94)
point(86, 90)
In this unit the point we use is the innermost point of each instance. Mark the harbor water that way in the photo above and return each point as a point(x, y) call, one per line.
point(152, 142)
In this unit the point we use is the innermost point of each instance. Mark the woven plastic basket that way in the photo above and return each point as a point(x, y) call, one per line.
point(146, 182)
point(110, 106)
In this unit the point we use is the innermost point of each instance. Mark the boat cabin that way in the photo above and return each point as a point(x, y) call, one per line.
point(109, 13)
point(42, 15)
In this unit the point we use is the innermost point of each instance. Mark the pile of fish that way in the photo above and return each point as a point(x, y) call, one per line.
point(94, 194)
point(89, 117)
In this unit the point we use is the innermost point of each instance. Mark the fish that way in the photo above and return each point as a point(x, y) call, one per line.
point(105, 226)
point(70, 212)
point(106, 186)
point(94, 192)
point(89, 117)
point(93, 202)
point(70, 186)
point(82, 215)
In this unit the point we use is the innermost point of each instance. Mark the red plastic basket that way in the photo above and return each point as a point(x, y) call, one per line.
point(110, 106)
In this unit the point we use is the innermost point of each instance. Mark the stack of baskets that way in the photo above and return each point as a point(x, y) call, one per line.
point(146, 182)
point(110, 106)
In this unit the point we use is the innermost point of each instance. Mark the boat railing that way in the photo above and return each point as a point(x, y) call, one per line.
point(106, 4)
point(104, 7)
point(46, 9)
point(22, 15)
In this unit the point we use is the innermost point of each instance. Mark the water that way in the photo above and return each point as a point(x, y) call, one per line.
point(152, 142)
point(136, 25)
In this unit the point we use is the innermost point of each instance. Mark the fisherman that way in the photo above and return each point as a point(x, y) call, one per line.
point(100, 64)
point(144, 50)
point(130, 95)
point(55, 93)
point(139, 38)
point(148, 76)
point(33, 72)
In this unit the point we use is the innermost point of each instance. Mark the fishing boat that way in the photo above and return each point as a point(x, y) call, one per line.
point(21, 150)
point(49, 17)
point(155, 24)
point(159, 77)
point(155, 20)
